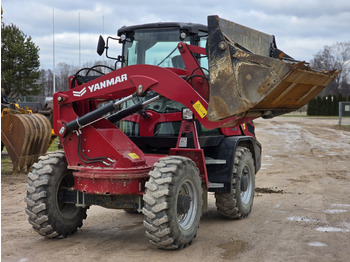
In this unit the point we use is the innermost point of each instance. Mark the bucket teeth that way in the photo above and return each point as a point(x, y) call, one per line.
point(26, 137)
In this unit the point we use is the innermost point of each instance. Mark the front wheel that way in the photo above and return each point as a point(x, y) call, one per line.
point(173, 202)
point(48, 215)
point(238, 203)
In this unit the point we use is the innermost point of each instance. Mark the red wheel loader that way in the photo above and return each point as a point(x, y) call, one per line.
point(173, 123)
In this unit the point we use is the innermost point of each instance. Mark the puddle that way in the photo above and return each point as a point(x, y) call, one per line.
point(340, 205)
point(266, 164)
point(317, 244)
point(332, 229)
point(233, 248)
point(334, 211)
point(268, 156)
point(302, 219)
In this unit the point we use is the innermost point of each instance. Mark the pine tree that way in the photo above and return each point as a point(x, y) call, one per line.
point(328, 105)
point(335, 106)
point(19, 62)
point(318, 110)
point(311, 107)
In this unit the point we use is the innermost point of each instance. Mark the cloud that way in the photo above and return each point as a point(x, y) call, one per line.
point(301, 27)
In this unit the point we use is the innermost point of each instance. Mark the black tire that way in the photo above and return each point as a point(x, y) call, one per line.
point(173, 203)
point(48, 216)
point(238, 204)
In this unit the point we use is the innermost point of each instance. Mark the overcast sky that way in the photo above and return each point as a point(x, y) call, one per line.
point(302, 27)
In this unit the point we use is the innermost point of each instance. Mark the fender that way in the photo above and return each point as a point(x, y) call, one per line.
point(222, 173)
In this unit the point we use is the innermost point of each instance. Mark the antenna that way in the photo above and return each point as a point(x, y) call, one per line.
point(53, 50)
point(103, 33)
point(79, 41)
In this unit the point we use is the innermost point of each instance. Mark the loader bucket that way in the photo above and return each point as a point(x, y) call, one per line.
point(249, 76)
point(26, 137)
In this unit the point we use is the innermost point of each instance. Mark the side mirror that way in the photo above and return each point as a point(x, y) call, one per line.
point(101, 45)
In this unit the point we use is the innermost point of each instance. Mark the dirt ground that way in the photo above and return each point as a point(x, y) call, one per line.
point(301, 210)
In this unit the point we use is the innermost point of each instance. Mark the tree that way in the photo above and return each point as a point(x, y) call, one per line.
point(64, 70)
point(312, 107)
point(19, 62)
point(336, 56)
point(335, 106)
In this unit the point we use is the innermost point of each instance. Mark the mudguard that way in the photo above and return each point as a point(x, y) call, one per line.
point(222, 173)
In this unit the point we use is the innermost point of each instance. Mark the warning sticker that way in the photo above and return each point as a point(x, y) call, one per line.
point(133, 156)
point(200, 109)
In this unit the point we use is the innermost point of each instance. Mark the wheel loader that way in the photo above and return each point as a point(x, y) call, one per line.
point(171, 124)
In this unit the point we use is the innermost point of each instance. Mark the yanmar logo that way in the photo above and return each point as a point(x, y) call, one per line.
point(101, 85)
point(80, 93)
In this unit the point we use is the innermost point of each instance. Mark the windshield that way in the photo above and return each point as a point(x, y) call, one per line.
point(154, 47)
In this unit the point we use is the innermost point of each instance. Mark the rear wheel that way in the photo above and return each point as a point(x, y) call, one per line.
point(173, 203)
point(48, 215)
point(238, 203)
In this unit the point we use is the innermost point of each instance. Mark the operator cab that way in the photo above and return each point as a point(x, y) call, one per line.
point(156, 43)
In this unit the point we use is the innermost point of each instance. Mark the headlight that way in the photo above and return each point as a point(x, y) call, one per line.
point(122, 37)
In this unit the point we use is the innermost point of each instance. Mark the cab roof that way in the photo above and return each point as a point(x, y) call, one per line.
point(190, 27)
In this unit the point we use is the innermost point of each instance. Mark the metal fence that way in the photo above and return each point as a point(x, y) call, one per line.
point(344, 113)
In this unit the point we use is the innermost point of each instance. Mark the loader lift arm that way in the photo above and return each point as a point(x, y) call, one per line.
point(128, 81)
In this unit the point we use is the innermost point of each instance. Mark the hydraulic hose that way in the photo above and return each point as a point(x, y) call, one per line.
point(130, 110)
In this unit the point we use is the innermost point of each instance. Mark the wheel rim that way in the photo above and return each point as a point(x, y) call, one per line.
point(67, 211)
point(246, 195)
point(186, 218)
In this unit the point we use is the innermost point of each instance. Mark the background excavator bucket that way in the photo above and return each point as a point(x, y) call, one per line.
point(249, 76)
point(26, 137)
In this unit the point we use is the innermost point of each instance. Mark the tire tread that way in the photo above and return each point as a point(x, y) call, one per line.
point(227, 203)
point(158, 189)
point(40, 181)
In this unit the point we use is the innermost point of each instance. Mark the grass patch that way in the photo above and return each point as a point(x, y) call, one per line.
point(297, 115)
point(6, 165)
point(54, 145)
point(294, 116)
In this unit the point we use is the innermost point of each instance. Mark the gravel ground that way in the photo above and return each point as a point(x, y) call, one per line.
point(301, 210)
